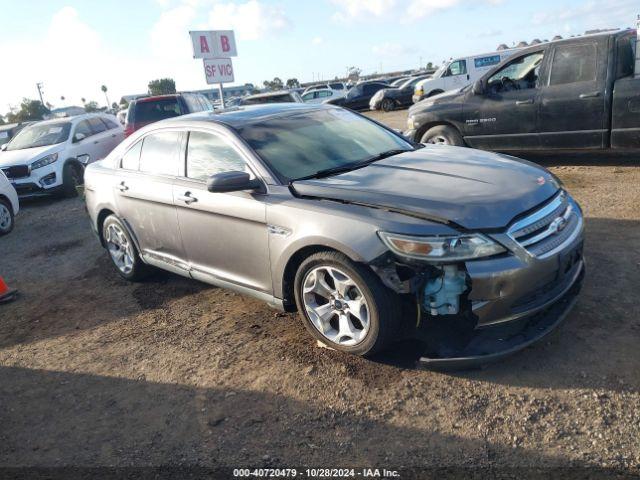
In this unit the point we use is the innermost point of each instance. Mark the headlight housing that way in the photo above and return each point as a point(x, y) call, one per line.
point(411, 124)
point(49, 159)
point(438, 249)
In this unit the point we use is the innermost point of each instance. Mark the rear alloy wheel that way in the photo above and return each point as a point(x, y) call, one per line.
point(6, 217)
point(388, 105)
point(122, 251)
point(443, 135)
point(345, 305)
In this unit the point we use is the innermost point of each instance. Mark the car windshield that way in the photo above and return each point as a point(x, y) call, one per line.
point(441, 69)
point(40, 135)
point(303, 144)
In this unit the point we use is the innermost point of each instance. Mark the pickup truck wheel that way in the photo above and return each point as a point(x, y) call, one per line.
point(443, 135)
point(6, 217)
point(388, 105)
point(345, 305)
point(122, 250)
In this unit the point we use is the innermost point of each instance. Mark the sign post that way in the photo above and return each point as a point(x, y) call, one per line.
point(637, 65)
point(215, 47)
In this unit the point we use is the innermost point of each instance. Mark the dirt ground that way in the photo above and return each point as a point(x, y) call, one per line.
point(95, 371)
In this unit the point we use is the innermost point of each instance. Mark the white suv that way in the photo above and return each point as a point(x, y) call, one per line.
point(49, 157)
point(9, 205)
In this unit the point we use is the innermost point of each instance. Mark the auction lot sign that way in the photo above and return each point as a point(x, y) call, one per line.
point(215, 48)
point(218, 70)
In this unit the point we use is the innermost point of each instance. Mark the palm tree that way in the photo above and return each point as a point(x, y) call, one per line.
point(84, 100)
point(104, 90)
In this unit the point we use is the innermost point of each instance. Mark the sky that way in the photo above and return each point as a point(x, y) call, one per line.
point(74, 46)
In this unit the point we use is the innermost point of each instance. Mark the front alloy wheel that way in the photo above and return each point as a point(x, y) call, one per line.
point(345, 304)
point(6, 218)
point(336, 306)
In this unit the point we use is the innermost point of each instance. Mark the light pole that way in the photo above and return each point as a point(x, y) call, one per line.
point(39, 86)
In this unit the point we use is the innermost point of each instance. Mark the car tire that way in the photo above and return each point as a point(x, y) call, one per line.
point(388, 105)
point(366, 317)
point(71, 178)
point(6, 217)
point(434, 93)
point(443, 135)
point(122, 250)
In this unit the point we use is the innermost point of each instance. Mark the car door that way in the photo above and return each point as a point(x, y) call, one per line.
point(82, 142)
point(224, 234)
point(101, 138)
point(456, 75)
point(572, 106)
point(115, 134)
point(504, 116)
point(144, 195)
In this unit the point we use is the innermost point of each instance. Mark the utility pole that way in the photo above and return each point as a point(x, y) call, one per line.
point(637, 66)
point(39, 86)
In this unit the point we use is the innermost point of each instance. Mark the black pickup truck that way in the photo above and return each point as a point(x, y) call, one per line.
point(578, 93)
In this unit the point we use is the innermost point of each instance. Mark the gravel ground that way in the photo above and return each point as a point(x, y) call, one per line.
point(98, 372)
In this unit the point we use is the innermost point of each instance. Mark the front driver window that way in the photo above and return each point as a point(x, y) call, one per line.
point(459, 67)
point(520, 74)
point(208, 154)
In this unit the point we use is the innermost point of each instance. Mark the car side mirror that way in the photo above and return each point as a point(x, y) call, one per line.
point(478, 87)
point(78, 137)
point(232, 182)
point(3, 147)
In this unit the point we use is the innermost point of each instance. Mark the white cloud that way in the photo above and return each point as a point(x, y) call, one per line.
point(169, 35)
point(251, 20)
point(349, 10)
point(595, 13)
point(423, 8)
point(317, 41)
point(392, 50)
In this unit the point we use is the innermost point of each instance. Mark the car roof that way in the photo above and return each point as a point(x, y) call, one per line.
point(268, 94)
point(238, 117)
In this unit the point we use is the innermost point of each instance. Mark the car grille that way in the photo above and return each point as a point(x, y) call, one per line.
point(545, 231)
point(17, 171)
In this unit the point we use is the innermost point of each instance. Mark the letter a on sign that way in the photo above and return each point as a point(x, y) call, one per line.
point(203, 44)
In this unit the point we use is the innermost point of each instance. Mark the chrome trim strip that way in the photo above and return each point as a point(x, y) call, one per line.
point(550, 230)
point(537, 215)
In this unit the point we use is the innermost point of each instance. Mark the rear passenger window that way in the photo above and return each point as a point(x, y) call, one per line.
point(161, 153)
point(131, 159)
point(573, 63)
point(109, 123)
point(208, 154)
point(153, 110)
point(83, 128)
point(626, 56)
point(96, 125)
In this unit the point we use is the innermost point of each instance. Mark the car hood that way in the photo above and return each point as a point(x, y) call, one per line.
point(25, 156)
point(472, 189)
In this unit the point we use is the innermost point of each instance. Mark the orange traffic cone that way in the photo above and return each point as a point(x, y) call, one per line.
point(6, 294)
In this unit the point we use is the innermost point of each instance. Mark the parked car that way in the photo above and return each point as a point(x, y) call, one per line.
point(319, 209)
point(358, 97)
point(10, 130)
point(280, 96)
point(458, 73)
point(49, 157)
point(9, 205)
point(389, 99)
point(321, 95)
point(578, 93)
point(146, 110)
point(340, 86)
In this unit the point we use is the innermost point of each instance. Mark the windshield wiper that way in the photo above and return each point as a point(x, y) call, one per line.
point(327, 172)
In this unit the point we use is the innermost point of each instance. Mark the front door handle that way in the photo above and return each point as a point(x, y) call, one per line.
point(187, 198)
point(525, 102)
point(590, 95)
point(122, 187)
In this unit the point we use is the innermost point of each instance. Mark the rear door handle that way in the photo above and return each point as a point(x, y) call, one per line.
point(187, 198)
point(122, 187)
point(525, 102)
point(590, 95)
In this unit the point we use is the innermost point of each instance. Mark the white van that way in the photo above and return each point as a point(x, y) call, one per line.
point(458, 73)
